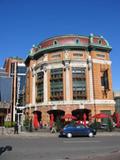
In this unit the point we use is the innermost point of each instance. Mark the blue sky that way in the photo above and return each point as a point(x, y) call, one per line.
point(27, 22)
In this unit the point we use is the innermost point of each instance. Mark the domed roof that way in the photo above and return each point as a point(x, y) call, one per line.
point(73, 40)
point(70, 42)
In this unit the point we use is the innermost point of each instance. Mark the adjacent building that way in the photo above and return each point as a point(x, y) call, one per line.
point(69, 74)
point(5, 96)
point(16, 69)
point(117, 100)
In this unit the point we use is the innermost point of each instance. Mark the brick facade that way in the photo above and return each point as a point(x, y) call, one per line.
point(71, 52)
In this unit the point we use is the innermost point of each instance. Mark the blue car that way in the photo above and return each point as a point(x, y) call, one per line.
point(71, 130)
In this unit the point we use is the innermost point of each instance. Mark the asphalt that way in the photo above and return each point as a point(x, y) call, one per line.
point(44, 145)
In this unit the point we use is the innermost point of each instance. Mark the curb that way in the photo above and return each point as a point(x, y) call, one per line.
point(49, 134)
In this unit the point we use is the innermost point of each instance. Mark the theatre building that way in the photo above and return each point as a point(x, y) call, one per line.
point(69, 74)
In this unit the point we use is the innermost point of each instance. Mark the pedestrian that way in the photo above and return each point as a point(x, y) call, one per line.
point(53, 130)
point(16, 128)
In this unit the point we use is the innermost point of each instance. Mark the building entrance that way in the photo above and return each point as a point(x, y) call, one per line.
point(39, 115)
point(79, 114)
point(57, 114)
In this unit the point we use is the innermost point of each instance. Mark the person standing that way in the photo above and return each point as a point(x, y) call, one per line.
point(16, 128)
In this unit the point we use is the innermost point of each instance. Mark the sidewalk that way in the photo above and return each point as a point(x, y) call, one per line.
point(49, 134)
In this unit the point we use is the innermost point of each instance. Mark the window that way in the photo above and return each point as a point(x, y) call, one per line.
point(39, 87)
point(77, 41)
point(79, 83)
point(56, 56)
point(12, 67)
point(104, 80)
point(80, 126)
point(78, 55)
point(101, 55)
point(56, 84)
point(21, 69)
point(100, 41)
point(55, 42)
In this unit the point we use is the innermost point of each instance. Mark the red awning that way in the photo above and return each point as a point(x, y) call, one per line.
point(101, 115)
point(35, 121)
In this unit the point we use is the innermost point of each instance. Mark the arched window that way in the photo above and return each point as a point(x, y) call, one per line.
point(55, 42)
point(100, 41)
point(77, 41)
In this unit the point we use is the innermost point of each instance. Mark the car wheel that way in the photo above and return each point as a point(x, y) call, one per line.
point(69, 135)
point(90, 134)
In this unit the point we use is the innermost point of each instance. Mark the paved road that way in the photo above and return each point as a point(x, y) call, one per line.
point(54, 148)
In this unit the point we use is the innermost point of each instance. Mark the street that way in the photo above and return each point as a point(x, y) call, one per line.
point(54, 148)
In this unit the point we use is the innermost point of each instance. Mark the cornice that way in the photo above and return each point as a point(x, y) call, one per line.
point(101, 61)
point(82, 102)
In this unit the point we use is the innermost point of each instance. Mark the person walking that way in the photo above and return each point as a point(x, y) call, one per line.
point(16, 128)
point(53, 130)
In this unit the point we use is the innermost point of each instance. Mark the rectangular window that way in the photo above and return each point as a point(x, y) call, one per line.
point(56, 84)
point(39, 86)
point(21, 69)
point(79, 83)
point(100, 55)
point(56, 56)
point(104, 80)
point(78, 55)
point(12, 67)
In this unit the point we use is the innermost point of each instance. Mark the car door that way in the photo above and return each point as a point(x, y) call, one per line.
point(81, 130)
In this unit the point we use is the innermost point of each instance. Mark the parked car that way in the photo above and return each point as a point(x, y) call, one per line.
point(71, 130)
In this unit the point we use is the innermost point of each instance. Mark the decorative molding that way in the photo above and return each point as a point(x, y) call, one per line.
point(83, 102)
point(54, 107)
point(81, 106)
point(78, 64)
point(62, 64)
point(29, 105)
point(53, 66)
point(101, 61)
point(67, 54)
point(100, 102)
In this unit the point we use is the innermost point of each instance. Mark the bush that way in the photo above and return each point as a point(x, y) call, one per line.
point(9, 124)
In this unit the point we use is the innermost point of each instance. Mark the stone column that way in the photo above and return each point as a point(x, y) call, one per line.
point(90, 78)
point(67, 80)
point(33, 87)
point(45, 88)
